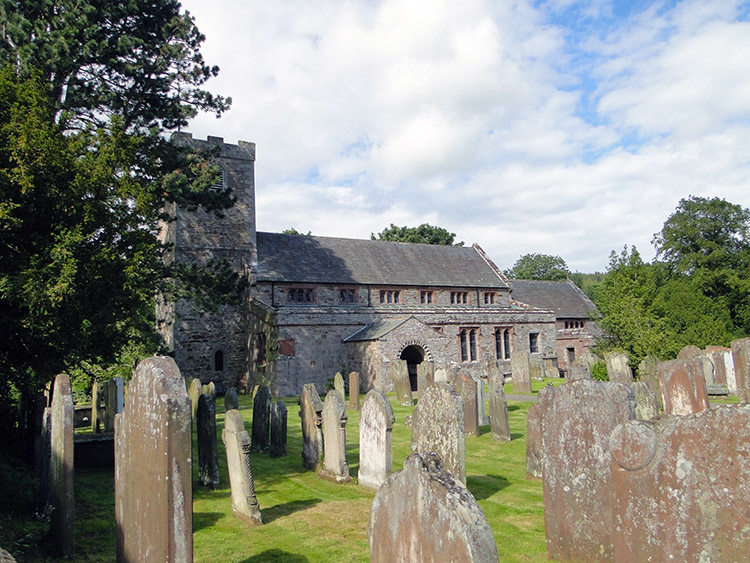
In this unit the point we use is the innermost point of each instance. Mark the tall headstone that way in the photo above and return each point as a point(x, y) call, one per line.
point(195, 391)
point(334, 438)
point(466, 387)
point(277, 447)
point(237, 445)
point(114, 402)
point(153, 489)
point(741, 363)
point(209, 389)
point(311, 417)
point(498, 409)
point(338, 384)
point(96, 405)
point(45, 456)
point(438, 426)
point(519, 368)
point(423, 513)
point(61, 496)
point(400, 375)
point(208, 452)
point(484, 418)
point(717, 357)
point(646, 403)
point(261, 419)
point(375, 441)
point(534, 442)
point(425, 376)
point(618, 368)
point(576, 473)
point(683, 388)
point(231, 400)
point(681, 487)
point(536, 369)
point(354, 391)
point(648, 373)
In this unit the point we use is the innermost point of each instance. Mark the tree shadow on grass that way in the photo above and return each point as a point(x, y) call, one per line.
point(516, 435)
point(484, 486)
point(274, 512)
point(205, 519)
point(513, 408)
point(276, 555)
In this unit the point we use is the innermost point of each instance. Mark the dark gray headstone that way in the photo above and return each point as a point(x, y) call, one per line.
point(231, 401)
point(311, 417)
point(498, 409)
point(277, 447)
point(261, 419)
point(208, 452)
point(61, 497)
point(375, 440)
point(237, 444)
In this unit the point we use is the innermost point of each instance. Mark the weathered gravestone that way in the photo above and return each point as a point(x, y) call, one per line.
point(536, 369)
point(6, 557)
point(438, 426)
point(519, 368)
point(577, 419)
point(195, 391)
point(646, 403)
point(375, 440)
point(231, 400)
point(718, 357)
point(704, 364)
point(277, 447)
point(261, 419)
point(311, 417)
point(683, 388)
point(334, 438)
point(648, 373)
point(114, 400)
point(578, 371)
point(400, 375)
point(425, 376)
point(741, 362)
point(682, 487)
point(423, 513)
point(498, 409)
point(482, 415)
point(466, 387)
point(534, 441)
point(45, 455)
point(208, 452)
point(237, 444)
point(689, 352)
point(209, 389)
point(354, 391)
point(338, 384)
point(550, 368)
point(153, 489)
point(618, 368)
point(441, 375)
point(96, 406)
point(61, 497)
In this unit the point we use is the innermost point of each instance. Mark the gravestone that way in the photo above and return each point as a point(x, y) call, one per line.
point(45, 455)
point(311, 417)
point(706, 367)
point(648, 373)
point(231, 400)
point(550, 368)
point(741, 363)
point(646, 403)
point(683, 388)
point(195, 391)
point(425, 376)
point(208, 452)
point(441, 375)
point(61, 496)
point(261, 419)
point(717, 357)
point(438, 426)
point(375, 440)
point(536, 369)
point(466, 387)
point(334, 438)
point(577, 420)
point(681, 487)
point(153, 489)
point(338, 384)
point(498, 409)
point(618, 368)
point(96, 405)
point(114, 399)
point(484, 418)
point(209, 389)
point(534, 442)
point(237, 445)
point(354, 391)
point(277, 447)
point(578, 371)
point(689, 352)
point(423, 513)
point(400, 375)
point(519, 368)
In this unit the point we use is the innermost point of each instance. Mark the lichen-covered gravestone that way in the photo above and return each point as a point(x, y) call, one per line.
point(261, 419)
point(277, 447)
point(354, 391)
point(208, 452)
point(498, 409)
point(466, 387)
point(536, 369)
point(311, 418)
point(519, 368)
point(689, 352)
point(683, 388)
point(425, 376)
point(334, 438)
point(338, 384)
point(682, 487)
point(618, 368)
point(741, 361)
point(438, 426)
point(648, 373)
point(646, 403)
point(375, 440)
point(400, 375)
point(534, 442)
point(423, 513)
point(578, 371)
point(195, 391)
point(237, 444)
point(61, 497)
point(576, 473)
point(231, 401)
point(153, 489)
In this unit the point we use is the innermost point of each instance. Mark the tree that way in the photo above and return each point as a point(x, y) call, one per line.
point(539, 267)
point(424, 233)
point(293, 231)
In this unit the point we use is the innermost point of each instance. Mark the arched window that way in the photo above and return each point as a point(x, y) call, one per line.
point(219, 360)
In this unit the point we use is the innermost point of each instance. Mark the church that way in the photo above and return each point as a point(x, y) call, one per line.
point(318, 305)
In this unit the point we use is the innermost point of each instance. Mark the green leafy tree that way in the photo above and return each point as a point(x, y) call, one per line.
point(424, 233)
point(293, 231)
point(539, 267)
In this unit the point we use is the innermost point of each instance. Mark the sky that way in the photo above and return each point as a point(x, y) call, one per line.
point(559, 127)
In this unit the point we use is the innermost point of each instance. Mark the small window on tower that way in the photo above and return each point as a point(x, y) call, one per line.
point(219, 360)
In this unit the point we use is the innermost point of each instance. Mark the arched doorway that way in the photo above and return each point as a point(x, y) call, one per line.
point(413, 355)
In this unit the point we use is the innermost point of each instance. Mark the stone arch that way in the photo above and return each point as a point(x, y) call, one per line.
point(414, 353)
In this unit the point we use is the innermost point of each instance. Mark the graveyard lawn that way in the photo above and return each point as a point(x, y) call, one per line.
point(306, 518)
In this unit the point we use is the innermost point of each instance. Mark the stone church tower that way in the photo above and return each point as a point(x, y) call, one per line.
point(213, 346)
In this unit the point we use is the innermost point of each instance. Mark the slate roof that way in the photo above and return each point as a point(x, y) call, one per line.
point(563, 297)
point(309, 259)
point(376, 330)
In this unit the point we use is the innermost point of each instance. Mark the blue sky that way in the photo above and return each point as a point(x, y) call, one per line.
point(560, 127)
